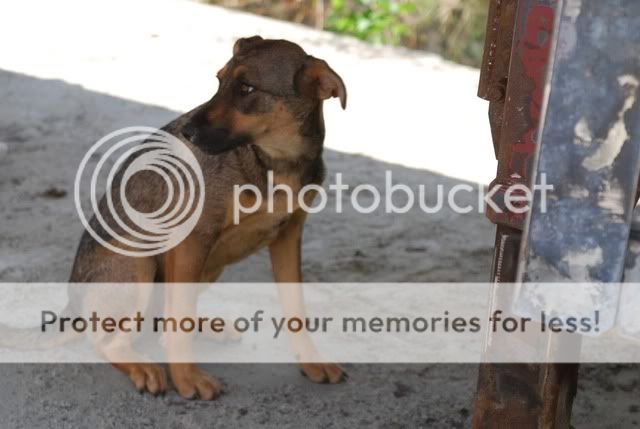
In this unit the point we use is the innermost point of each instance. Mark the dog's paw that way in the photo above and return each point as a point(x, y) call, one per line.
point(323, 372)
point(147, 377)
point(191, 382)
point(314, 366)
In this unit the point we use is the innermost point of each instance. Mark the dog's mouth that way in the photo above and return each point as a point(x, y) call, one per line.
point(213, 140)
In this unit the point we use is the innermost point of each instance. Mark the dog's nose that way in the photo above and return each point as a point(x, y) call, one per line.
point(189, 131)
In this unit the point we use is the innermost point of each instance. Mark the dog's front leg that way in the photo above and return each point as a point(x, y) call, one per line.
point(287, 272)
point(183, 264)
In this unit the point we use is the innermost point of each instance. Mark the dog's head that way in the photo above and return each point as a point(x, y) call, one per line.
point(270, 94)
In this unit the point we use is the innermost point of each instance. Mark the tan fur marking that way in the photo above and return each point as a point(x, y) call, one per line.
point(276, 132)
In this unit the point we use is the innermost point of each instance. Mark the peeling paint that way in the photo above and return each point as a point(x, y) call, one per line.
point(541, 270)
point(616, 137)
point(587, 146)
point(583, 133)
point(580, 262)
point(573, 10)
point(568, 42)
point(588, 258)
point(632, 266)
point(628, 80)
point(565, 298)
point(612, 199)
point(578, 192)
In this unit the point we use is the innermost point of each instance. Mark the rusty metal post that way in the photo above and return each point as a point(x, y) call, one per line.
point(517, 49)
point(590, 151)
point(512, 79)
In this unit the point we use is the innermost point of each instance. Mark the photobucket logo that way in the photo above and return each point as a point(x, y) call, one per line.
point(123, 154)
point(461, 198)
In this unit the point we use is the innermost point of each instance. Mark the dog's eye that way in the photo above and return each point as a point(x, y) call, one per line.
point(246, 89)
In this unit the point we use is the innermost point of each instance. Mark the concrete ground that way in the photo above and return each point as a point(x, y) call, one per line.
point(73, 71)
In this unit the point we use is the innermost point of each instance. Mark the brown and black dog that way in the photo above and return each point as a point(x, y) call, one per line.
point(266, 116)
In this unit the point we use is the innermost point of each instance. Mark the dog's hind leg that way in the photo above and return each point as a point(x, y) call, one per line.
point(145, 375)
point(133, 293)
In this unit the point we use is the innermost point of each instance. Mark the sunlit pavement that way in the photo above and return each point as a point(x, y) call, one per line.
point(404, 107)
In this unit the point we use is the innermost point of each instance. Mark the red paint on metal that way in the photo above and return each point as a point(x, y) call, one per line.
point(534, 50)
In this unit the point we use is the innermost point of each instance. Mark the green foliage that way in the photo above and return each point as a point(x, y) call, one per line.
point(378, 21)
point(452, 28)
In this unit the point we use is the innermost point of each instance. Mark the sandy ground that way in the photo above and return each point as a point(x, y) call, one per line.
point(78, 73)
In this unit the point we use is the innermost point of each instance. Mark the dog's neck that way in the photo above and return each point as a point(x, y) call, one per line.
point(303, 158)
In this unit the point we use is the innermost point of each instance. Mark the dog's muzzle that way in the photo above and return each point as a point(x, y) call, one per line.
point(212, 140)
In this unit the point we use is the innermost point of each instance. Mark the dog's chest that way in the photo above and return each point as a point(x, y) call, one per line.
point(251, 234)
point(247, 233)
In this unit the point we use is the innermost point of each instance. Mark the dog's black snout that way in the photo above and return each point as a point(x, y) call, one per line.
point(189, 131)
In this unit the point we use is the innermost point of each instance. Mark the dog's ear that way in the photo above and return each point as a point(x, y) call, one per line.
point(244, 43)
point(317, 80)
